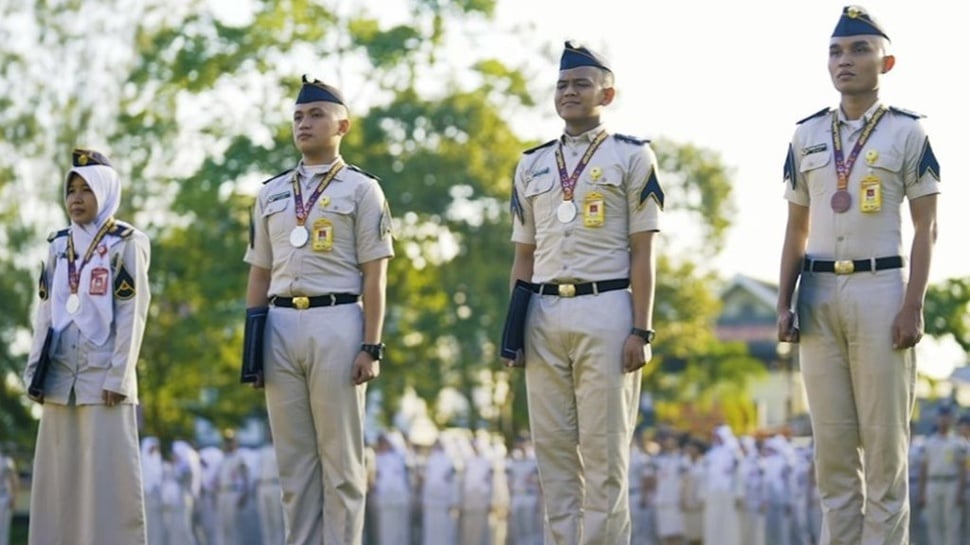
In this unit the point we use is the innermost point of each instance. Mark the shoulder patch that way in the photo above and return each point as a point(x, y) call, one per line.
point(928, 162)
point(275, 176)
point(631, 139)
point(653, 190)
point(790, 174)
point(540, 146)
point(359, 170)
point(124, 284)
point(42, 289)
point(121, 230)
point(58, 234)
point(907, 113)
point(823, 111)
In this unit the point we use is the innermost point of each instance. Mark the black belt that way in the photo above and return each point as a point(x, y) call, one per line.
point(302, 303)
point(586, 288)
point(849, 266)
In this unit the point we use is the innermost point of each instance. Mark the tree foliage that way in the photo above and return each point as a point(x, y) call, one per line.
point(194, 110)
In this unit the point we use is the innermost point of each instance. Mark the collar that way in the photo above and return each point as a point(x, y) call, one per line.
point(865, 116)
point(582, 138)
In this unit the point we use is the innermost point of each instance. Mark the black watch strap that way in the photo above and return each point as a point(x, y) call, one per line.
point(375, 351)
point(646, 334)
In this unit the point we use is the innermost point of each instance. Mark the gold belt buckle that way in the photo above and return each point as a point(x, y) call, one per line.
point(566, 290)
point(301, 303)
point(844, 266)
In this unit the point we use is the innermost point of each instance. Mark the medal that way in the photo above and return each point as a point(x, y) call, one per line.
point(299, 236)
point(74, 268)
point(841, 201)
point(73, 303)
point(566, 211)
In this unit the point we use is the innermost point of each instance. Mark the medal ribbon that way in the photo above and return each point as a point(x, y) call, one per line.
point(303, 210)
point(844, 166)
point(74, 270)
point(568, 181)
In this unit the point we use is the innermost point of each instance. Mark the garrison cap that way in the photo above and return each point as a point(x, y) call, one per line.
point(856, 21)
point(318, 91)
point(88, 158)
point(575, 55)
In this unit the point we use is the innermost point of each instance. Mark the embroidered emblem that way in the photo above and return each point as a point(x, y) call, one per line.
point(124, 284)
point(653, 189)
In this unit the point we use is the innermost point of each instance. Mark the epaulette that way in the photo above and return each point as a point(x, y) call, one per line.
point(362, 171)
point(907, 113)
point(121, 229)
point(540, 146)
point(823, 111)
point(631, 139)
point(58, 234)
point(271, 178)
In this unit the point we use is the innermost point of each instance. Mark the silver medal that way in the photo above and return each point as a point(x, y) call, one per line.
point(299, 236)
point(566, 211)
point(73, 303)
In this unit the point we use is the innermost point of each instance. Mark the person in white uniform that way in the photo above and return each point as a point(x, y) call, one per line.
point(94, 299)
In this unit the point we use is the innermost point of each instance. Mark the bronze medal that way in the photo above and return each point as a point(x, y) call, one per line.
point(841, 201)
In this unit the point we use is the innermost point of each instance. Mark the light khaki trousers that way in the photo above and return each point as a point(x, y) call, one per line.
point(317, 419)
point(582, 409)
point(860, 394)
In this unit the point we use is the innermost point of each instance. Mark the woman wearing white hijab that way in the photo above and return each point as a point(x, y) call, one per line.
point(87, 481)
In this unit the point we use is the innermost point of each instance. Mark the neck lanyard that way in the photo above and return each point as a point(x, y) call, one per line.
point(303, 210)
point(568, 181)
point(73, 269)
point(843, 165)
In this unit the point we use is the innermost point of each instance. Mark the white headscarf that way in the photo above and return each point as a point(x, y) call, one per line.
point(96, 313)
point(187, 460)
point(151, 464)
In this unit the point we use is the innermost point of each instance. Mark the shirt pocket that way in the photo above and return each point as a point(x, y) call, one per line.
point(812, 171)
point(889, 162)
point(539, 192)
point(275, 207)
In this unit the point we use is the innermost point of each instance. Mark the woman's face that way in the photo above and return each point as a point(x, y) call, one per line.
point(81, 204)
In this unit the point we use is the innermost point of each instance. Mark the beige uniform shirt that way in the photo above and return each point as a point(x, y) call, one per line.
point(351, 219)
point(897, 152)
point(622, 175)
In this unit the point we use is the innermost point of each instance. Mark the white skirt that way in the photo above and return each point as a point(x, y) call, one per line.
point(86, 486)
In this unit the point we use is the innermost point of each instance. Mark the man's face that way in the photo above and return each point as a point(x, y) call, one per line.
point(580, 93)
point(318, 125)
point(856, 62)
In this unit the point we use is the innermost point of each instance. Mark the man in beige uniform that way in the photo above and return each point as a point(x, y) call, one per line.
point(321, 239)
point(586, 206)
point(942, 478)
point(858, 315)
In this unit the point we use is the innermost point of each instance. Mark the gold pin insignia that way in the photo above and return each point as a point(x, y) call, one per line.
point(854, 12)
point(595, 173)
point(871, 156)
point(324, 201)
point(82, 159)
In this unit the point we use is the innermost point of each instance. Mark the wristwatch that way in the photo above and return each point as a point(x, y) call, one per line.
point(646, 334)
point(375, 351)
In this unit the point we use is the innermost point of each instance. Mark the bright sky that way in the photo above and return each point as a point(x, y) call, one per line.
point(736, 76)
